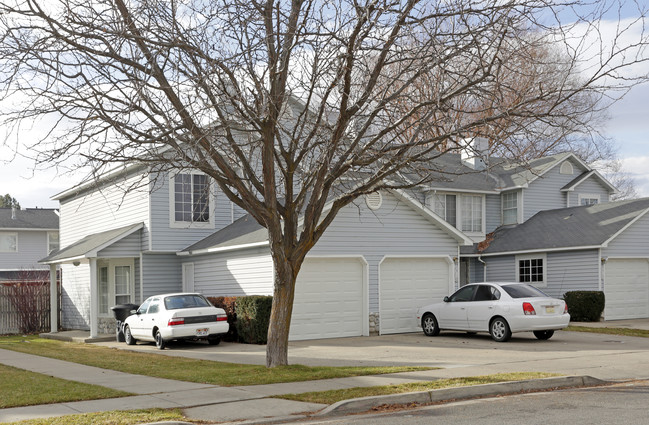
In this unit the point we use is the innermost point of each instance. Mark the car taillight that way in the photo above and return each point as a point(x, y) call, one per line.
point(176, 321)
point(221, 318)
point(565, 308)
point(528, 309)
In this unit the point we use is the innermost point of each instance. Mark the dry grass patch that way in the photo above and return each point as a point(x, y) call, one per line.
point(610, 331)
point(333, 396)
point(127, 417)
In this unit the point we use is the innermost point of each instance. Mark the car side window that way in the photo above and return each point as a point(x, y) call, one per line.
point(483, 293)
point(495, 293)
point(463, 294)
point(144, 307)
point(154, 308)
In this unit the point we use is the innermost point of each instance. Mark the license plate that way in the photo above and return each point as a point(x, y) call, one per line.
point(202, 332)
point(549, 310)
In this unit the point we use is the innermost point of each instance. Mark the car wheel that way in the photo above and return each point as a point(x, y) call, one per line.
point(214, 341)
point(128, 337)
point(429, 324)
point(499, 330)
point(159, 342)
point(543, 335)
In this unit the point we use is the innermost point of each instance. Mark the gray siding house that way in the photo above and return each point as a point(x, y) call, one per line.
point(26, 236)
point(382, 257)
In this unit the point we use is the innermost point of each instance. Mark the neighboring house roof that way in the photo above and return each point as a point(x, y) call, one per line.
point(30, 218)
point(565, 228)
point(585, 176)
point(89, 246)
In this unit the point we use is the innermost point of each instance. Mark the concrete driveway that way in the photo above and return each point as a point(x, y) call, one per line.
point(602, 356)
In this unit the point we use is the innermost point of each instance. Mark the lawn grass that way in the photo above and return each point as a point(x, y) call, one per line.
point(23, 388)
point(184, 369)
point(610, 331)
point(333, 396)
point(117, 417)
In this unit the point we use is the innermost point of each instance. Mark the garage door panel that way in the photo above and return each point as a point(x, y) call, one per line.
point(328, 299)
point(407, 284)
point(626, 287)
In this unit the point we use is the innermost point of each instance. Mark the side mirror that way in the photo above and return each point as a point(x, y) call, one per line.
point(446, 299)
point(135, 311)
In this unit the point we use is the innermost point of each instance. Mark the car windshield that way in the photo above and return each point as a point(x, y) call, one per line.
point(523, 291)
point(185, 301)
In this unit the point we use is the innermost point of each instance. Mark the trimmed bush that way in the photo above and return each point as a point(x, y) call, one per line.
point(585, 306)
point(228, 304)
point(253, 316)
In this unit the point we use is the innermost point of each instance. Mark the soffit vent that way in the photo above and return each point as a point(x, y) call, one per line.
point(374, 200)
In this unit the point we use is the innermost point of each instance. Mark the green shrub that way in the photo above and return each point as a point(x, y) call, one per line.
point(585, 306)
point(228, 304)
point(253, 316)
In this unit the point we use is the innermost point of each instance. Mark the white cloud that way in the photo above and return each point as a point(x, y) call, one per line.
point(638, 168)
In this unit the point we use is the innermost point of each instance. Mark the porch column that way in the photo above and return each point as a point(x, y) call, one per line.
point(54, 300)
point(94, 299)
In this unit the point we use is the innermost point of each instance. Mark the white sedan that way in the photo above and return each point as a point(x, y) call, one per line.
point(163, 318)
point(498, 308)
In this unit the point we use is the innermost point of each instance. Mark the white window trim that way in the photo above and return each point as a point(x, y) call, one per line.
point(15, 235)
point(543, 257)
point(458, 205)
point(172, 201)
point(589, 196)
point(111, 264)
point(49, 249)
point(502, 208)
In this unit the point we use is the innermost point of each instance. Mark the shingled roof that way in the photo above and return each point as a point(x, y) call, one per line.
point(565, 228)
point(30, 218)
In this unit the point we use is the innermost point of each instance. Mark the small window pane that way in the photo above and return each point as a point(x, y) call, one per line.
point(8, 242)
point(103, 290)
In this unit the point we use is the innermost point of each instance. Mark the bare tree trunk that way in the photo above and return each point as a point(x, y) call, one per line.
point(280, 317)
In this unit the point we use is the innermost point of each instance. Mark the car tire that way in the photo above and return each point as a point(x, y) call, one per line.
point(214, 341)
point(543, 335)
point(128, 337)
point(499, 330)
point(159, 342)
point(429, 325)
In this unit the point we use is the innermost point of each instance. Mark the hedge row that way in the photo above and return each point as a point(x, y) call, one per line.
point(585, 306)
point(248, 317)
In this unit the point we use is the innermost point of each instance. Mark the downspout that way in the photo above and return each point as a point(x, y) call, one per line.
point(484, 268)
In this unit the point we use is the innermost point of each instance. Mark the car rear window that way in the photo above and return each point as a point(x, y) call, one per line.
point(185, 301)
point(523, 291)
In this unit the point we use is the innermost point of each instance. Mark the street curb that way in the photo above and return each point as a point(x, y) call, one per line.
point(424, 397)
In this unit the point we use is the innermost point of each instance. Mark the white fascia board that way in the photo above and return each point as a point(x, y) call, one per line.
point(123, 169)
point(533, 251)
point(622, 230)
point(453, 190)
point(431, 216)
point(65, 260)
point(221, 249)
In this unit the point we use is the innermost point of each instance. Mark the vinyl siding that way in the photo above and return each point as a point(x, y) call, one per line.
point(571, 271)
point(591, 186)
point(393, 229)
point(108, 208)
point(494, 212)
point(500, 269)
point(166, 238)
point(544, 193)
point(126, 247)
point(32, 246)
point(161, 274)
point(245, 272)
point(476, 271)
point(632, 243)
point(75, 303)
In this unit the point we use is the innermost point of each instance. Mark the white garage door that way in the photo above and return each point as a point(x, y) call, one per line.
point(626, 288)
point(407, 284)
point(328, 299)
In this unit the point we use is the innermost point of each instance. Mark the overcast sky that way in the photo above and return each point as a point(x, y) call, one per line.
point(628, 127)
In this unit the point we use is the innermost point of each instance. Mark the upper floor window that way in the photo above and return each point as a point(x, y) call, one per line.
point(588, 199)
point(8, 242)
point(510, 207)
point(191, 199)
point(471, 213)
point(445, 206)
point(52, 241)
point(531, 269)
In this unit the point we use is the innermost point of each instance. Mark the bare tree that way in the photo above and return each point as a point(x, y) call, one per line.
point(293, 108)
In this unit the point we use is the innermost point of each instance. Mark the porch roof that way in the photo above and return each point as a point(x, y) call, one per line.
point(89, 246)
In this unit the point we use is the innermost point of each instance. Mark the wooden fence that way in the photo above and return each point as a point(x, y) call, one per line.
point(25, 307)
